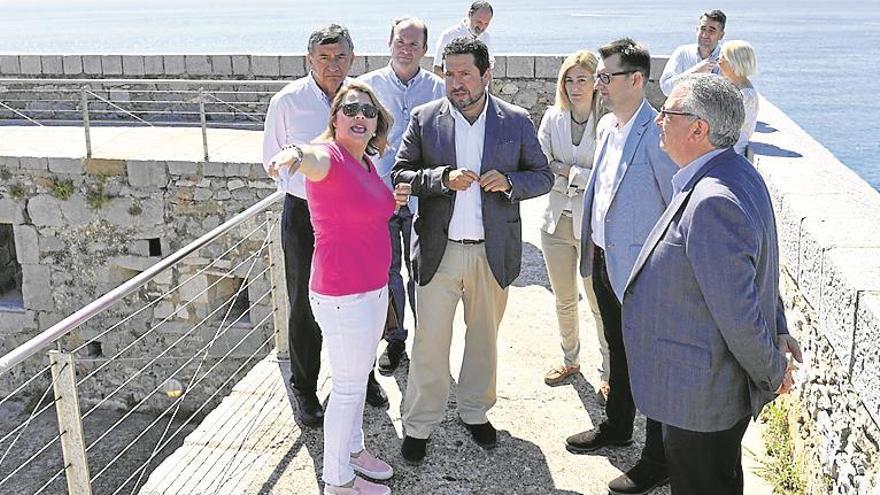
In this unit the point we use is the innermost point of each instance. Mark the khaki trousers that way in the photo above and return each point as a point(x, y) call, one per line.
point(463, 275)
point(562, 255)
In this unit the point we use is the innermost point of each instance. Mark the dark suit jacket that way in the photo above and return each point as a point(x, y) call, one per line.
point(701, 309)
point(427, 153)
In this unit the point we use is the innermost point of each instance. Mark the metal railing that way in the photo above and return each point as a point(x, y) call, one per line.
point(137, 102)
point(226, 289)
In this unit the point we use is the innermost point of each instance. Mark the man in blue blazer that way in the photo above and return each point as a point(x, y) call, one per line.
point(470, 158)
point(628, 189)
point(701, 309)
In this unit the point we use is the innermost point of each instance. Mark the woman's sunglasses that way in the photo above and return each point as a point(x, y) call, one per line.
point(368, 110)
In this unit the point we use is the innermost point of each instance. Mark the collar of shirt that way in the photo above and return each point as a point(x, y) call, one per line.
point(465, 25)
point(686, 173)
point(313, 84)
point(622, 133)
point(457, 115)
point(393, 77)
point(715, 55)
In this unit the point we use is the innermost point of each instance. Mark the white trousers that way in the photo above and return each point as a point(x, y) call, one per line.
point(352, 326)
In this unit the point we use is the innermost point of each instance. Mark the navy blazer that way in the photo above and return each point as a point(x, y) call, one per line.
point(701, 309)
point(427, 153)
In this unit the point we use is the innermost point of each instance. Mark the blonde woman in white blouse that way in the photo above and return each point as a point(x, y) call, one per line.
point(737, 63)
point(568, 138)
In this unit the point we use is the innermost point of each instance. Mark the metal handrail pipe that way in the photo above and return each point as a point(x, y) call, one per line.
point(62, 328)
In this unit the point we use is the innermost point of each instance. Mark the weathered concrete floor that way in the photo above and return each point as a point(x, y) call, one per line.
point(251, 444)
point(132, 143)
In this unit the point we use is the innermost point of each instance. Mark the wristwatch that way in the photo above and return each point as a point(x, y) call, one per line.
point(299, 152)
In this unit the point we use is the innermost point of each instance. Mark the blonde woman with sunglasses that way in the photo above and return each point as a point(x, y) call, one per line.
point(350, 206)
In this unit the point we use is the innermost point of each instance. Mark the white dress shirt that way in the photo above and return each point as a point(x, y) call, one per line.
point(297, 114)
point(607, 169)
point(462, 30)
point(467, 212)
point(681, 61)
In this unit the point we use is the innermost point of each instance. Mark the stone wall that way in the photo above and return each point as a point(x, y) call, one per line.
point(163, 88)
point(829, 223)
point(10, 269)
point(83, 226)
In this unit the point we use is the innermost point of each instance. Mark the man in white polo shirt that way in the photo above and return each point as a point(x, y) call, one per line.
point(474, 25)
point(697, 58)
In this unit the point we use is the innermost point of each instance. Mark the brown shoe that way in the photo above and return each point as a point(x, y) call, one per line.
point(604, 390)
point(559, 373)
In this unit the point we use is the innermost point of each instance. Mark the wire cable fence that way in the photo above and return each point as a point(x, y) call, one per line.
point(136, 102)
point(144, 365)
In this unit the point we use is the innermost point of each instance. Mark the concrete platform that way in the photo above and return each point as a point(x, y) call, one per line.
point(132, 143)
point(251, 444)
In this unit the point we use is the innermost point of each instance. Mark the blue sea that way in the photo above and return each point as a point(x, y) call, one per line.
point(818, 60)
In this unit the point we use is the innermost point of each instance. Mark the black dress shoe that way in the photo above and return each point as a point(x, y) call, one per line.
point(390, 359)
point(375, 395)
point(590, 440)
point(413, 449)
point(642, 478)
point(308, 410)
point(484, 434)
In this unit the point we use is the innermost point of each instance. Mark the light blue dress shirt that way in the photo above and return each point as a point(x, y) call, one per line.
point(686, 173)
point(400, 99)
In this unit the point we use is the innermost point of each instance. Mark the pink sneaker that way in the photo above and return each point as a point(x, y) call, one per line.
point(371, 466)
point(360, 487)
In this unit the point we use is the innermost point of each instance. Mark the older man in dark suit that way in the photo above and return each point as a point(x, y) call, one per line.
point(470, 158)
point(701, 309)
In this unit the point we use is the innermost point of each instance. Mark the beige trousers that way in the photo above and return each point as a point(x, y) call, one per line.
point(562, 254)
point(463, 275)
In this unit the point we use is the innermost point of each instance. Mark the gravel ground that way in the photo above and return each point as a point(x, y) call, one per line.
point(252, 445)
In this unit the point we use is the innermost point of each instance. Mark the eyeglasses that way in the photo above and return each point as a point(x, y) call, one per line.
point(368, 110)
point(605, 77)
point(665, 112)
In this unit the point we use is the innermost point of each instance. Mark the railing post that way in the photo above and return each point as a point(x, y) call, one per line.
point(84, 103)
point(73, 446)
point(278, 279)
point(204, 120)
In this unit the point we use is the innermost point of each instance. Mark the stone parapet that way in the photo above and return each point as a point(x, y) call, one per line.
point(238, 87)
point(829, 223)
point(111, 220)
point(242, 66)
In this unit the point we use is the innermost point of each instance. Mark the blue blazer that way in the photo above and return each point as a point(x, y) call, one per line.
point(641, 191)
point(701, 310)
point(427, 153)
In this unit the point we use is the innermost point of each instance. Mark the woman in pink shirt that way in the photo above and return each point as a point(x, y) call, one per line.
point(350, 207)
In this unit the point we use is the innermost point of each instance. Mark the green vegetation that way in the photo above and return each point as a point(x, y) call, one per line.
point(95, 196)
point(135, 209)
point(5, 175)
point(61, 189)
point(17, 191)
point(781, 468)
